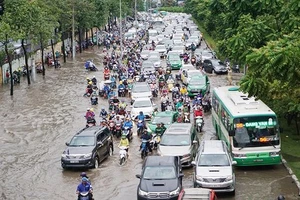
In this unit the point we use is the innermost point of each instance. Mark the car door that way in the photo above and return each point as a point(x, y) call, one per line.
point(102, 149)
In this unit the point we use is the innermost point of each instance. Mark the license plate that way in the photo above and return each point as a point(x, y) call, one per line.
point(258, 160)
point(74, 161)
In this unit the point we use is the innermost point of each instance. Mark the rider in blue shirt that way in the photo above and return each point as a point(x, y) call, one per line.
point(127, 123)
point(141, 116)
point(84, 186)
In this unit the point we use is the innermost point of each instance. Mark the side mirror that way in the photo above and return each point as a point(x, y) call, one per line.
point(193, 163)
point(231, 133)
point(234, 162)
point(67, 143)
point(138, 176)
point(181, 175)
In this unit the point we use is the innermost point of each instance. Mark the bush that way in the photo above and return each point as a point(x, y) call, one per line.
point(174, 9)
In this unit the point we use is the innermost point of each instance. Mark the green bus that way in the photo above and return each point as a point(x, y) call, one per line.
point(248, 126)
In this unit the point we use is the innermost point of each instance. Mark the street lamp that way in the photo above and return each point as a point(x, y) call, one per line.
point(121, 40)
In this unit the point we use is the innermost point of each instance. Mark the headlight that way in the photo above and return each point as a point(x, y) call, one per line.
point(63, 155)
point(88, 155)
point(199, 178)
point(175, 192)
point(143, 193)
point(228, 178)
point(273, 154)
point(240, 155)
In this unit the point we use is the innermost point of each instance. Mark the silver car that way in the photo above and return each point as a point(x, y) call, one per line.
point(155, 60)
point(140, 90)
point(177, 141)
point(214, 167)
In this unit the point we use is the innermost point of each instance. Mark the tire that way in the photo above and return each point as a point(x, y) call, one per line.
point(111, 150)
point(96, 163)
point(122, 161)
point(195, 185)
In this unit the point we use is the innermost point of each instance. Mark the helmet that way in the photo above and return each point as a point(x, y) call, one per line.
point(83, 174)
point(90, 82)
point(92, 109)
point(113, 112)
point(87, 78)
point(121, 82)
point(280, 197)
point(123, 136)
point(94, 76)
point(88, 109)
point(141, 112)
point(103, 108)
point(84, 179)
point(162, 123)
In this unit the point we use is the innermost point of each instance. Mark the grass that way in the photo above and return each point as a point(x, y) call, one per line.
point(209, 40)
point(290, 147)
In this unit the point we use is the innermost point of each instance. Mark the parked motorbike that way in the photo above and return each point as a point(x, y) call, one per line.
point(199, 123)
point(122, 155)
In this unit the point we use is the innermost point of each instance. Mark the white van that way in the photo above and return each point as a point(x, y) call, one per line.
point(153, 33)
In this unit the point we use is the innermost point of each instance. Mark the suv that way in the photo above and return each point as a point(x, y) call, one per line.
point(179, 140)
point(88, 148)
point(161, 178)
point(214, 167)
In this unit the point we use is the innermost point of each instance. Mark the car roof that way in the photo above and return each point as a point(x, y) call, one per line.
point(212, 147)
point(165, 113)
point(161, 161)
point(141, 99)
point(90, 131)
point(179, 128)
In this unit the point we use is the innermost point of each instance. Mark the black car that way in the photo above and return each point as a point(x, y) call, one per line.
point(88, 148)
point(161, 178)
point(214, 65)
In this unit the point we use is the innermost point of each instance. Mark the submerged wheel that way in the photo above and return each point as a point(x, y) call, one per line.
point(96, 162)
point(122, 161)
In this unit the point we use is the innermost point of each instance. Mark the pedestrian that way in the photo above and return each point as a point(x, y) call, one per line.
point(7, 75)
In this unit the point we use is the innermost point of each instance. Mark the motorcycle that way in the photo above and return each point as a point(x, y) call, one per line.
point(111, 126)
point(170, 83)
point(122, 111)
point(206, 106)
point(127, 131)
point(118, 130)
point(199, 123)
point(89, 65)
point(155, 141)
point(140, 127)
point(106, 76)
point(122, 155)
point(164, 105)
point(90, 122)
point(186, 118)
point(121, 92)
point(94, 100)
point(144, 149)
point(193, 61)
point(154, 90)
point(84, 196)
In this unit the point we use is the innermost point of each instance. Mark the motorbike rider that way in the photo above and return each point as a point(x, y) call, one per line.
point(160, 129)
point(106, 89)
point(178, 105)
point(280, 197)
point(122, 105)
point(183, 90)
point(118, 120)
point(106, 71)
point(127, 123)
point(94, 80)
point(152, 77)
point(169, 107)
point(124, 142)
point(164, 100)
point(83, 174)
point(128, 114)
point(141, 117)
point(84, 186)
point(147, 137)
point(121, 87)
point(103, 113)
point(115, 100)
point(198, 112)
point(94, 98)
point(112, 115)
point(89, 114)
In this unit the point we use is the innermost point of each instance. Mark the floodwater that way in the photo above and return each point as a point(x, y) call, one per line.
point(38, 120)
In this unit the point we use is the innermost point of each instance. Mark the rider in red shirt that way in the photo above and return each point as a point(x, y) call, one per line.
point(198, 112)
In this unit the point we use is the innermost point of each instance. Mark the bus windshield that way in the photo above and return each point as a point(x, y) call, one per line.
point(256, 132)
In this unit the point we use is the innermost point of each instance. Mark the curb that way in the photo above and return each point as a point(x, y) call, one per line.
point(294, 177)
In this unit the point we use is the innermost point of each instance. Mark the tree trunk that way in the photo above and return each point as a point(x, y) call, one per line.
point(64, 49)
point(71, 48)
point(26, 61)
point(87, 38)
point(43, 63)
point(92, 34)
point(10, 68)
point(80, 40)
point(54, 59)
point(296, 120)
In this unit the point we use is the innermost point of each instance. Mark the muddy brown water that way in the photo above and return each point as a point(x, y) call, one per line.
point(38, 120)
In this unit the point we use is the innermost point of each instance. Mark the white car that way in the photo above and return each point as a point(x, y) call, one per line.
point(140, 90)
point(161, 49)
point(155, 60)
point(142, 104)
point(145, 54)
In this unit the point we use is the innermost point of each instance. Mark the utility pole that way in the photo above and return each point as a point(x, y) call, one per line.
point(73, 32)
point(135, 11)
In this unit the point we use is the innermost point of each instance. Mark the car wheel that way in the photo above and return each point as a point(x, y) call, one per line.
point(111, 151)
point(213, 71)
point(195, 185)
point(96, 162)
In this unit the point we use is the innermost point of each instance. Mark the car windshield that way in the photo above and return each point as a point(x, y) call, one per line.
point(256, 132)
point(140, 88)
point(160, 119)
point(213, 160)
point(193, 73)
point(82, 141)
point(197, 81)
point(174, 57)
point(180, 48)
point(175, 140)
point(153, 33)
point(207, 54)
point(142, 104)
point(159, 172)
point(160, 47)
point(153, 59)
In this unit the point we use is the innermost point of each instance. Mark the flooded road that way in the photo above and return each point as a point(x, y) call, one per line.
point(38, 120)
